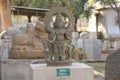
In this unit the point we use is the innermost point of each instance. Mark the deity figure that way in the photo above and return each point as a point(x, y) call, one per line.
point(57, 38)
point(59, 34)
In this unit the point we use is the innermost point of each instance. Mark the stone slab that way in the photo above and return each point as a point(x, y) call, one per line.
point(92, 50)
point(113, 31)
point(5, 45)
point(78, 71)
point(17, 69)
point(92, 35)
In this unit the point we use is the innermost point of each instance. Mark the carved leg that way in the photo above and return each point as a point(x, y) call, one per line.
point(56, 54)
point(51, 53)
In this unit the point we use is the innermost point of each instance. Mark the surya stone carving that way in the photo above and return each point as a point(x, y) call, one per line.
point(59, 33)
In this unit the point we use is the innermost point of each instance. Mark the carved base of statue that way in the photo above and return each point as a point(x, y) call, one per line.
point(59, 63)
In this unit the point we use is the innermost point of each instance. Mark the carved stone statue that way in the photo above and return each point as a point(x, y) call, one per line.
point(58, 35)
point(28, 43)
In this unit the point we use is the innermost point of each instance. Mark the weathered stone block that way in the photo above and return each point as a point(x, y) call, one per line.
point(92, 50)
point(28, 43)
point(16, 69)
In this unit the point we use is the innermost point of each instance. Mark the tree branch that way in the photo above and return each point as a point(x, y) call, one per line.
point(114, 8)
point(114, 2)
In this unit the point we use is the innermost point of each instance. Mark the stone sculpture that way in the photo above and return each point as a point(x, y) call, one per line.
point(58, 35)
point(28, 43)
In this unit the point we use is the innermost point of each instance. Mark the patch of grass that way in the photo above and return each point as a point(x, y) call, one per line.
point(98, 66)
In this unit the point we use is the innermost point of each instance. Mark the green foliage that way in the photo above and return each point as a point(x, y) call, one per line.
point(33, 3)
point(80, 49)
point(87, 13)
point(77, 6)
point(20, 2)
point(42, 3)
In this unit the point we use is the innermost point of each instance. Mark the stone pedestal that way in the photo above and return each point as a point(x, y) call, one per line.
point(17, 69)
point(77, 71)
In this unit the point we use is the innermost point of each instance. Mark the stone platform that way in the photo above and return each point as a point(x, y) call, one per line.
point(17, 69)
point(77, 71)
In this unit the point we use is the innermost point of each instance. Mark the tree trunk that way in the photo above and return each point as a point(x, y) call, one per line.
point(5, 12)
point(29, 18)
point(0, 24)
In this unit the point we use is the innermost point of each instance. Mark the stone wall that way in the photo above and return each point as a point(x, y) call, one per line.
point(92, 49)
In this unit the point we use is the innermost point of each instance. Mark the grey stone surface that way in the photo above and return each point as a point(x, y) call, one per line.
point(92, 50)
point(112, 69)
point(75, 39)
point(75, 42)
point(92, 35)
point(4, 48)
point(84, 35)
point(80, 43)
point(116, 45)
point(106, 44)
point(75, 35)
point(17, 69)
